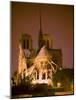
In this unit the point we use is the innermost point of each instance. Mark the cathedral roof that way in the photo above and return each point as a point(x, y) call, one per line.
point(43, 53)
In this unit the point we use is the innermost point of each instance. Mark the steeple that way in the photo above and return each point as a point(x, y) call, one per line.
point(40, 30)
point(40, 21)
point(43, 39)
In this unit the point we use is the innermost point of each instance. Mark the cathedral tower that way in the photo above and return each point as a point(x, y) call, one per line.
point(26, 41)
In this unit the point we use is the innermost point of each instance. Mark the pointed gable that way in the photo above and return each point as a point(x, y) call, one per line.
point(43, 54)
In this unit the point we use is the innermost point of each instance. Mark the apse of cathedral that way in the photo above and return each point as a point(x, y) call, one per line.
point(39, 65)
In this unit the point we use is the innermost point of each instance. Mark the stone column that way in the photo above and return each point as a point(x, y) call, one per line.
point(36, 75)
point(40, 72)
point(46, 75)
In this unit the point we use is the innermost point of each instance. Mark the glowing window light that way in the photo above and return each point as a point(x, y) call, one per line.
point(58, 84)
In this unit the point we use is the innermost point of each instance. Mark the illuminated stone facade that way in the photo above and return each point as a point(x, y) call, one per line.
point(43, 64)
point(39, 65)
point(42, 69)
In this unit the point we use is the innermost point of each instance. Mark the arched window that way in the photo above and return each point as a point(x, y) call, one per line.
point(37, 74)
point(49, 74)
point(27, 44)
point(44, 76)
point(23, 44)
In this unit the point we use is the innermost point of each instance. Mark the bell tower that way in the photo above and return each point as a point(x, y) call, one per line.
point(26, 41)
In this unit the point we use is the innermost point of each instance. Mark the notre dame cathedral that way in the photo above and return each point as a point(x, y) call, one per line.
point(39, 64)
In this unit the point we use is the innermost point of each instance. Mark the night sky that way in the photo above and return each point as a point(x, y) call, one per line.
point(57, 20)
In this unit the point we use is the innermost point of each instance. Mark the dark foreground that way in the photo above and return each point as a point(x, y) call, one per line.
point(37, 91)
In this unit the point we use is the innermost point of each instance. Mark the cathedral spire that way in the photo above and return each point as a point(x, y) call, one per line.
point(40, 30)
point(40, 21)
